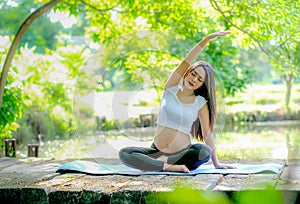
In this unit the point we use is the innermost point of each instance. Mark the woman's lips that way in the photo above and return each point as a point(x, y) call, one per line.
point(191, 84)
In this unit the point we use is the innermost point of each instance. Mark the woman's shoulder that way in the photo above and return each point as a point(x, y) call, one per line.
point(200, 101)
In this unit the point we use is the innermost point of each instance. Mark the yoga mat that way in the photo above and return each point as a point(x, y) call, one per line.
point(87, 167)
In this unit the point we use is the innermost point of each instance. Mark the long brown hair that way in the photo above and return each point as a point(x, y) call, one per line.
point(208, 91)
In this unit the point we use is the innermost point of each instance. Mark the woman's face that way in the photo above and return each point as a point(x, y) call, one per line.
point(195, 78)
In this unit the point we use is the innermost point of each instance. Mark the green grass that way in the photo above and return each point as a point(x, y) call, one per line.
point(250, 142)
point(267, 97)
point(265, 101)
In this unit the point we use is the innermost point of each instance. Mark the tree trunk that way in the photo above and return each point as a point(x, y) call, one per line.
point(289, 82)
point(14, 46)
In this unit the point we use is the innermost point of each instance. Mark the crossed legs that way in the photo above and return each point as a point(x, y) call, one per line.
point(151, 159)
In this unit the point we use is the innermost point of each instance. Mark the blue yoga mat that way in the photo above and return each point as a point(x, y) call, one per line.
point(87, 167)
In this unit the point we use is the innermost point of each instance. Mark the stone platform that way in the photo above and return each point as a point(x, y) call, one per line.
point(34, 180)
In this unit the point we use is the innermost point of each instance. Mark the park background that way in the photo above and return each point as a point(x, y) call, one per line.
point(84, 72)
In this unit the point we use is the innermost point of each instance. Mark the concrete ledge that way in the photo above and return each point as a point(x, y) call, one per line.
point(23, 195)
point(34, 180)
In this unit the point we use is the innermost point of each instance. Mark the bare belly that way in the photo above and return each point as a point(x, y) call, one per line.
point(169, 140)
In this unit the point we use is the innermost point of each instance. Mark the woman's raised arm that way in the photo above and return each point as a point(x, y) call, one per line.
point(180, 70)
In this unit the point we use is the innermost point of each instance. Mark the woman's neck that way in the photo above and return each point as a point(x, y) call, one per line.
point(187, 92)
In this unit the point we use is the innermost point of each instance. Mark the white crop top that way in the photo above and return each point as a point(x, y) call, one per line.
point(177, 115)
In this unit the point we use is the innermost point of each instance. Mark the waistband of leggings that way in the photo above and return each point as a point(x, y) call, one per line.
point(167, 154)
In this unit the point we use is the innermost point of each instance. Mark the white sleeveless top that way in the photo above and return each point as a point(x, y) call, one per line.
point(177, 115)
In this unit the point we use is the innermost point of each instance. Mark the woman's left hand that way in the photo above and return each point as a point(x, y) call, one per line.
point(222, 166)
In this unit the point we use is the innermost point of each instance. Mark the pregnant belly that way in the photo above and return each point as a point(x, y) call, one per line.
point(169, 140)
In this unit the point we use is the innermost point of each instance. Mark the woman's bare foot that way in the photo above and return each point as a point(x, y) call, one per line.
point(176, 168)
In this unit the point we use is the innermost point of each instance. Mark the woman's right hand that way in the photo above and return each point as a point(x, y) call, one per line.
point(218, 34)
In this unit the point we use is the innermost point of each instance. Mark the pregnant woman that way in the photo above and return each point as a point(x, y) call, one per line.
point(187, 109)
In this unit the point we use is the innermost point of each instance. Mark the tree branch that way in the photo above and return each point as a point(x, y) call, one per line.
point(14, 46)
point(272, 57)
point(216, 6)
point(100, 10)
point(284, 42)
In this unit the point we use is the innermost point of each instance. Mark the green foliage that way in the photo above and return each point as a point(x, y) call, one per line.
point(188, 195)
point(141, 43)
point(259, 197)
point(260, 66)
point(37, 121)
point(143, 103)
point(84, 119)
point(144, 61)
point(10, 111)
point(12, 104)
point(110, 125)
point(43, 32)
point(44, 94)
point(265, 101)
point(173, 33)
point(268, 25)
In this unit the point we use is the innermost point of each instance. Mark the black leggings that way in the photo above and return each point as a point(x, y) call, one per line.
point(144, 158)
